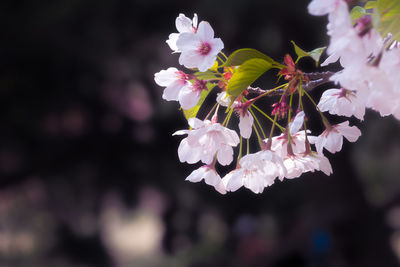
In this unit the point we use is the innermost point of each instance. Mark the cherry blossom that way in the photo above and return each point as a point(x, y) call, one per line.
point(250, 175)
point(299, 164)
point(200, 49)
point(256, 172)
point(246, 120)
point(342, 102)
point(361, 54)
point(224, 99)
point(368, 79)
point(179, 88)
point(345, 42)
point(206, 140)
point(174, 80)
point(296, 154)
point(210, 176)
point(183, 24)
point(245, 124)
point(280, 143)
point(322, 7)
point(332, 138)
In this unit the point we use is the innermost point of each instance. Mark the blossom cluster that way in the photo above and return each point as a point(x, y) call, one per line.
point(371, 64)
point(368, 80)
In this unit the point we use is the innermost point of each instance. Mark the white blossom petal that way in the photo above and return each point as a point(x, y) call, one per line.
point(352, 133)
point(210, 177)
point(166, 77)
point(245, 125)
point(297, 123)
point(172, 91)
point(205, 31)
point(188, 98)
point(172, 39)
point(225, 155)
point(233, 180)
point(183, 24)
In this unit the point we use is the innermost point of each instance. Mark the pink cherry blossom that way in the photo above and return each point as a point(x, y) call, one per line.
point(342, 102)
point(183, 24)
point(200, 49)
point(224, 100)
point(246, 120)
point(299, 164)
point(297, 138)
point(332, 139)
point(297, 122)
point(179, 88)
point(322, 7)
point(367, 70)
point(249, 175)
point(174, 81)
point(345, 42)
point(210, 176)
point(206, 140)
point(256, 172)
point(353, 45)
point(245, 124)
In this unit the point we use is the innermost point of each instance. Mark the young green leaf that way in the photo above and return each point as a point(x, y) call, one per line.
point(240, 56)
point(370, 5)
point(356, 13)
point(386, 18)
point(314, 54)
point(207, 75)
point(191, 113)
point(246, 74)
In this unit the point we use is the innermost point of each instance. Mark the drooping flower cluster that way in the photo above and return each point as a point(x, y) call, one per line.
point(370, 64)
point(369, 79)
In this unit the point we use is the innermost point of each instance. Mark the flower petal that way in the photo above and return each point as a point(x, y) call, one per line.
point(205, 31)
point(225, 155)
point(166, 77)
point(188, 98)
point(245, 125)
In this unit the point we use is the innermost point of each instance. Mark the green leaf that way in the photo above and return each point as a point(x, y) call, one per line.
point(215, 66)
point(314, 54)
point(242, 55)
point(386, 18)
point(356, 13)
point(207, 75)
point(246, 74)
point(191, 113)
point(370, 5)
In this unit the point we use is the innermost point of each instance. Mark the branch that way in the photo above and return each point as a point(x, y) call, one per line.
point(316, 79)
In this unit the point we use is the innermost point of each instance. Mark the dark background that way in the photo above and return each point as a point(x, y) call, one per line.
point(89, 172)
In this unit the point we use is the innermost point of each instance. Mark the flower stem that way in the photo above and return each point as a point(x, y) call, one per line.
point(268, 117)
point(258, 137)
point(222, 53)
point(258, 122)
point(289, 137)
point(324, 119)
point(240, 149)
point(290, 108)
point(273, 127)
point(307, 143)
point(211, 111)
point(227, 118)
point(222, 62)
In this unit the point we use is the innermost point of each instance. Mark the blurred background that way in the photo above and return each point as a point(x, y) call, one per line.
point(89, 172)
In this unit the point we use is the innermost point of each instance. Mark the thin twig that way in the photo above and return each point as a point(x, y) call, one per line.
point(316, 79)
